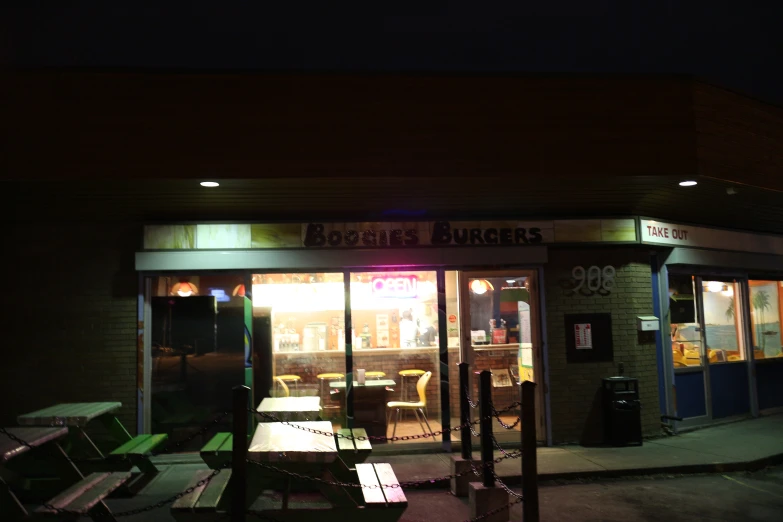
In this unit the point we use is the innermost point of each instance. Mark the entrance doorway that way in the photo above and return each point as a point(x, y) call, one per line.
point(501, 332)
point(711, 347)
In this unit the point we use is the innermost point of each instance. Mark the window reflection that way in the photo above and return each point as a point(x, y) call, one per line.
point(765, 319)
point(723, 321)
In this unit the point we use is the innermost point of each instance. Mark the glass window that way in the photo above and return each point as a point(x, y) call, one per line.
point(199, 350)
point(765, 318)
point(307, 313)
point(394, 316)
point(686, 337)
point(723, 321)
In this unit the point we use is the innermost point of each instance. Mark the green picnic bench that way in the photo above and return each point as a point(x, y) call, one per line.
point(133, 451)
point(204, 500)
point(136, 452)
point(217, 452)
point(350, 448)
point(85, 498)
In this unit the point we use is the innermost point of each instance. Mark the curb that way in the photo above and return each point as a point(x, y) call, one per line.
point(685, 469)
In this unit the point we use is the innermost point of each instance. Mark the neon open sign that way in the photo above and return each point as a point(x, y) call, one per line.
point(403, 286)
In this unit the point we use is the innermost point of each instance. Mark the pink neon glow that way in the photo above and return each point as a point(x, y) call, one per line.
point(403, 286)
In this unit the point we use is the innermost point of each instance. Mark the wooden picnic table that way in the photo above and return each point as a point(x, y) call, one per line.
point(76, 416)
point(276, 442)
point(289, 448)
point(71, 414)
point(313, 454)
point(292, 408)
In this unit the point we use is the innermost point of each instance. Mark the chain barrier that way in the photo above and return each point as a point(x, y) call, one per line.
point(172, 447)
point(293, 424)
point(15, 438)
point(497, 415)
point(506, 488)
point(473, 405)
point(401, 485)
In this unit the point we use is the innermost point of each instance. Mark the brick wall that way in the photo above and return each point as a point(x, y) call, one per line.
point(69, 317)
point(574, 387)
point(484, 360)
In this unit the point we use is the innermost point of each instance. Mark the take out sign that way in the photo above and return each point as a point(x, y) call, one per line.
point(671, 234)
point(667, 232)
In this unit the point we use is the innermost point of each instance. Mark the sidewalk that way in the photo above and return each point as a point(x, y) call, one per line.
point(742, 445)
point(748, 444)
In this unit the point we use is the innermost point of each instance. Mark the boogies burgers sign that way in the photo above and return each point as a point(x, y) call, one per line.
point(435, 233)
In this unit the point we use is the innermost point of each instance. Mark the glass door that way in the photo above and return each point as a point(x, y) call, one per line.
point(725, 355)
point(396, 354)
point(500, 333)
point(708, 342)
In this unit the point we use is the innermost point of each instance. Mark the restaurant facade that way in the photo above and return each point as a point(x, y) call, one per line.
point(310, 266)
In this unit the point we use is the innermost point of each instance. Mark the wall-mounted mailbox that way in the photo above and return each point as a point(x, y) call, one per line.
point(648, 323)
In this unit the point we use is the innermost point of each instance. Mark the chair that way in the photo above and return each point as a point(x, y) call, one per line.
point(374, 375)
point(405, 374)
point(323, 378)
point(295, 379)
point(416, 407)
point(280, 382)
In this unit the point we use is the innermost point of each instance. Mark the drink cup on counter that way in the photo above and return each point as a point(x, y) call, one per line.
point(360, 375)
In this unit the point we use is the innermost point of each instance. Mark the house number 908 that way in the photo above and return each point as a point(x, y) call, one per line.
point(594, 278)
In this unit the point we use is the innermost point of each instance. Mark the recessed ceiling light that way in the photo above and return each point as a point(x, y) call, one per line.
point(687, 183)
point(210, 184)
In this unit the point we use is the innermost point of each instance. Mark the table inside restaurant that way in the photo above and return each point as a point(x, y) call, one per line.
point(369, 404)
point(292, 408)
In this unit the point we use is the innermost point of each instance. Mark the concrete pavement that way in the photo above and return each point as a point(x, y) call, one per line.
point(748, 444)
point(745, 445)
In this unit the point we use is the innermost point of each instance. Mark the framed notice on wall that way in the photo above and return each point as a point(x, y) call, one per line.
point(588, 337)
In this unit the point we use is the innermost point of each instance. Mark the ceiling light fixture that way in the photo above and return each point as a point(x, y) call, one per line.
point(689, 183)
point(209, 184)
point(184, 289)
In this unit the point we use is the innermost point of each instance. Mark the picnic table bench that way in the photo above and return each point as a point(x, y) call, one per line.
point(85, 498)
point(205, 499)
point(217, 452)
point(84, 495)
point(132, 451)
point(351, 449)
point(305, 448)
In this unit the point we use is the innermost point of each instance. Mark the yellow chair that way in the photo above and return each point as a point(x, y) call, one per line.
point(289, 378)
point(374, 375)
point(406, 374)
point(283, 386)
point(322, 380)
point(416, 407)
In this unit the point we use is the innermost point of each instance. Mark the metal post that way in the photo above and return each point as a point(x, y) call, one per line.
point(529, 456)
point(239, 454)
point(485, 411)
point(464, 411)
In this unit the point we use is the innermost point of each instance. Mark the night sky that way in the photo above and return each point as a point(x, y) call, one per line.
point(734, 44)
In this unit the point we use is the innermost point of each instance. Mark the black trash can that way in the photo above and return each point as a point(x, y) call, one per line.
point(622, 411)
